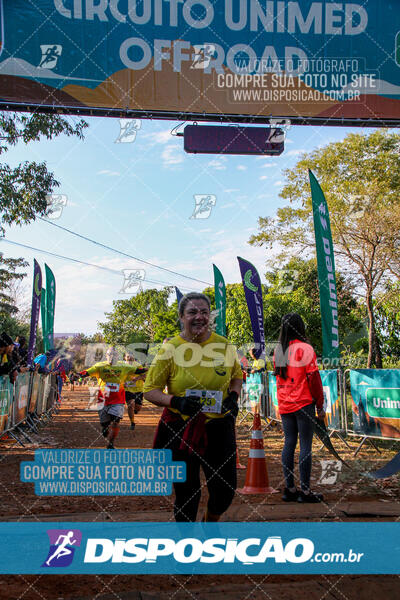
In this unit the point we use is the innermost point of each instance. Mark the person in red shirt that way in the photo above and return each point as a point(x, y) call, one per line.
point(300, 392)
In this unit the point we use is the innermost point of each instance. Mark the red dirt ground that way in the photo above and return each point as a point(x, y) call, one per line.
point(351, 498)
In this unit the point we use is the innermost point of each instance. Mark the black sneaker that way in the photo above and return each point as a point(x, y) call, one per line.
point(133, 425)
point(104, 432)
point(311, 498)
point(289, 496)
point(110, 446)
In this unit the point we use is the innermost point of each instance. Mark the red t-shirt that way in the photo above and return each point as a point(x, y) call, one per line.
point(294, 392)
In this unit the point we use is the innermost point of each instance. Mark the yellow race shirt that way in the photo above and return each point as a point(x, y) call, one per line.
point(111, 379)
point(258, 364)
point(134, 385)
point(181, 365)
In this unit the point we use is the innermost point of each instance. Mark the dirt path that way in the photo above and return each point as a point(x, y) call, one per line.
point(351, 498)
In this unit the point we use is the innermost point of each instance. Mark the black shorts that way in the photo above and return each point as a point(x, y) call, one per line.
point(137, 397)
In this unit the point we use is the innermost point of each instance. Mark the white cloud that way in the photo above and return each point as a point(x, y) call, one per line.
point(263, 177)
point(158, 137)
point(278, 183)
point(171, 156)
point(269, 165)
point(220, 232)
point(108, 173)
point(216, 164)
point(231, 190)
point(241, 168)
point(228, 205)
point(294, 152)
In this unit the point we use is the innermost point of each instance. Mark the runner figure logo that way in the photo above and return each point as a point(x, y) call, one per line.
point(128, 130)
point(132, 280)
point(62, 547)
point(330, 471)
point(55, 205)
point(50, 55)
point(203, 53)
point(204, 203)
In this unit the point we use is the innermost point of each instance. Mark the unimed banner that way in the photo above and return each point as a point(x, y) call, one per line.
point(375, 397)
point(50, 306)
point(36, 298)
point(6, 394)
point(326, 274)
point(331, 397)
point(21, 397)
point(301, 59)
point(220, 301)
point(253, 294)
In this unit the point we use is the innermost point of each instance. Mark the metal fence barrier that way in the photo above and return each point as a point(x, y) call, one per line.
point(27, 404)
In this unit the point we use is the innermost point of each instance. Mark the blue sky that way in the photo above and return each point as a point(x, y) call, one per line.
point(138, 197)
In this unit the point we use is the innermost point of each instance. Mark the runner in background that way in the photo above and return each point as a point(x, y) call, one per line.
point(258, 364)
point(133, 392)
point(111, 377)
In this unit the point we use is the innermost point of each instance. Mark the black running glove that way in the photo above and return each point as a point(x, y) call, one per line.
point(231, 404)
point(187, 405)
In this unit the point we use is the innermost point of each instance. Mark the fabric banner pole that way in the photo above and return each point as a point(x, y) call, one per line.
point(326, 275)
point(36, 296)
point(253, 294)
point(50, 305)
point(43, 313)
point(220, 301)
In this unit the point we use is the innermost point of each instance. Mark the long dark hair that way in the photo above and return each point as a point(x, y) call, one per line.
point(292, 328)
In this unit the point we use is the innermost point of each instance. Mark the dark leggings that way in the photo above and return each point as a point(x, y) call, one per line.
point(298, 424)
point(218, 464)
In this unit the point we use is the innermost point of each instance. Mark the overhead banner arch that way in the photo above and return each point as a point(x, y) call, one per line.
point(239, 60)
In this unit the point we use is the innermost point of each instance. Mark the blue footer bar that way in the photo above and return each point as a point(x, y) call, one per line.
point(195, 548)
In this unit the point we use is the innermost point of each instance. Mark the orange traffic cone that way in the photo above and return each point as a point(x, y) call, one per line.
point(256, 475)
point(238, 464)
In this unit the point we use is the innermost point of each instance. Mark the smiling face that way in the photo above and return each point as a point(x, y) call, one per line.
point(195, 320)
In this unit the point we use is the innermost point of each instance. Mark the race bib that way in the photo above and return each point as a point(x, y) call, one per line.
point(211, 400)
point(111, 388)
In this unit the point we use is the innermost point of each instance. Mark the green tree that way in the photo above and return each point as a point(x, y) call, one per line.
point(145, 317)
point(294, 288)
point(8, 276)
point(387, 310)
point(360, 177)
point(23, 189)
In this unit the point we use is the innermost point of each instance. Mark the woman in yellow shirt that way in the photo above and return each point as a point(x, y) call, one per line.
point(203, 378)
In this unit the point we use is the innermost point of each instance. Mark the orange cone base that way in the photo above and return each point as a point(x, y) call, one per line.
point(256, 490)
point(256, 478)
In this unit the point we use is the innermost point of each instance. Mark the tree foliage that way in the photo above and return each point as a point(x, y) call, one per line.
point(145, 317)
point(360, 177)
point(23, 189)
